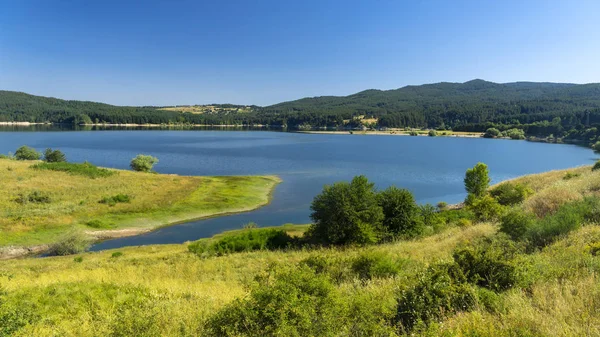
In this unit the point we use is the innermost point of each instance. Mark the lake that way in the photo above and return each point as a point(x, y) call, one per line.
point(432, 168)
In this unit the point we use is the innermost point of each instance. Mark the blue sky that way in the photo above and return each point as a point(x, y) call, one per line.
point(264, 52)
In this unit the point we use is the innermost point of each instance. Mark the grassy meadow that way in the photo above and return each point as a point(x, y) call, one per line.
point(166, 290)
point(37, 206)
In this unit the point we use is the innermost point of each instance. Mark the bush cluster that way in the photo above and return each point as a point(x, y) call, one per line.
point(36, 197)
point(27, 153)
point(115, 199)
point(143, 163)
point(245, 241)
point(509, 194)
point(71, 243)
point(54, 156)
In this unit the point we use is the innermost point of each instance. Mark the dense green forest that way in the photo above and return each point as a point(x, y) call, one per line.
point(539, 109)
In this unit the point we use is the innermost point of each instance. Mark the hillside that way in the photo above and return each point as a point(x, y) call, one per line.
point(471, 106)
point(354, 291)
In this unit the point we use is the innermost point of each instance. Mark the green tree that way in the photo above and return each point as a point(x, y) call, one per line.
point(491, 133)
point(27, 153)
point(143, 163)
point(596, 146)
point(401, 212)
point(54, 156)
point(346, 213)
point(477, 180)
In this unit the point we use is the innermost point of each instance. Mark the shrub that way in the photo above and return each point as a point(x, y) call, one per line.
point(346, 213)
point(596, 146)
point(84, 169)
point(569, 217)
point(413, 133)
point(442, 205)
point(54, 156)
point(143, 163)
point(14, 317)
point(115, 199)
point(370, 265)
point(441, 291)
point(401, 213)
point(487, 263)
point(246, 241)
point(6, 156)
point(516, 223)
point(250, 225)
point(72, 243)
point(431, 217)
point(477, 180)
point(491, 133)
point(36, 197)
point(78, 259)
point(116, 255)
point(27, 153)
point(432, 133)
point(596, 166)
point(485, 208)
point(509, 194)
point(336, 268)
point(291, 301)
point(464, 223)
point(569, 176)
point(550, 200)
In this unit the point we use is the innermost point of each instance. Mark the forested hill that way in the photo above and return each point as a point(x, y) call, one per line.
point(457, 104)
point(537, 108)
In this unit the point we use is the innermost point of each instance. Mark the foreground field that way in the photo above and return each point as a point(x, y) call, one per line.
point(93, 204)
point(168, 291)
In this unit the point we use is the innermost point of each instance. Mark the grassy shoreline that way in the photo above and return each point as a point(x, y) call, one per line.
point(157, 200)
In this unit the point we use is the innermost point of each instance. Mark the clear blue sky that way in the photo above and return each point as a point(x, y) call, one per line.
point(263, 52)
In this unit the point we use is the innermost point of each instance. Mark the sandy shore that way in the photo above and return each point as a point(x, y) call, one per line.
point(397, 133)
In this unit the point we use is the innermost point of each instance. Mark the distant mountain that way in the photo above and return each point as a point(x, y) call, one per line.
point(474, 105)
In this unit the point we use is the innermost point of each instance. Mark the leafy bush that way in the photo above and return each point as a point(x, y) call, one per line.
point(596, 146)
point(36, 197)
point(401, 212)
point(54, 156)
point(477, 180)
point(84, 169)
point(441, 291)
point(485, 208)
point(78, 259)
point(491, 133)
point(413, 133)
point(346, 213)
point(14, 317)
point(116, 255)
point(6, 156)
point(569, 217)
point(432, 133)
point(509, 194)
point(293, 301)
point(370, 265)
point(596, 166)
point(442, 205)
point(336, 268)
point(143, 163)
point(27, 153)
point(516, 223)
point(72, 243)
point(245, 241)
point(115, 199)
point(487, 263)
point(431, 218)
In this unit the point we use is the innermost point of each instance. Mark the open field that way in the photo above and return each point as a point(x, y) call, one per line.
point(166, 290)
point(76, 201)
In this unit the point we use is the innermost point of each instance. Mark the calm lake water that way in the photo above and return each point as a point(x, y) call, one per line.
point(431, 167)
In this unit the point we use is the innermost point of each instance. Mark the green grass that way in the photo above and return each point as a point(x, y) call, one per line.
point(168, 291)
point(81, 169)
point(154, 200)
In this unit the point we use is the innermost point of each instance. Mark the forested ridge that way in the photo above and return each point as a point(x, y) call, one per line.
point(540, 109)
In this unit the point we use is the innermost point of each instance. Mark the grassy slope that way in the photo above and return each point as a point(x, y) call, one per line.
point(174, 291)
point(157, 200)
